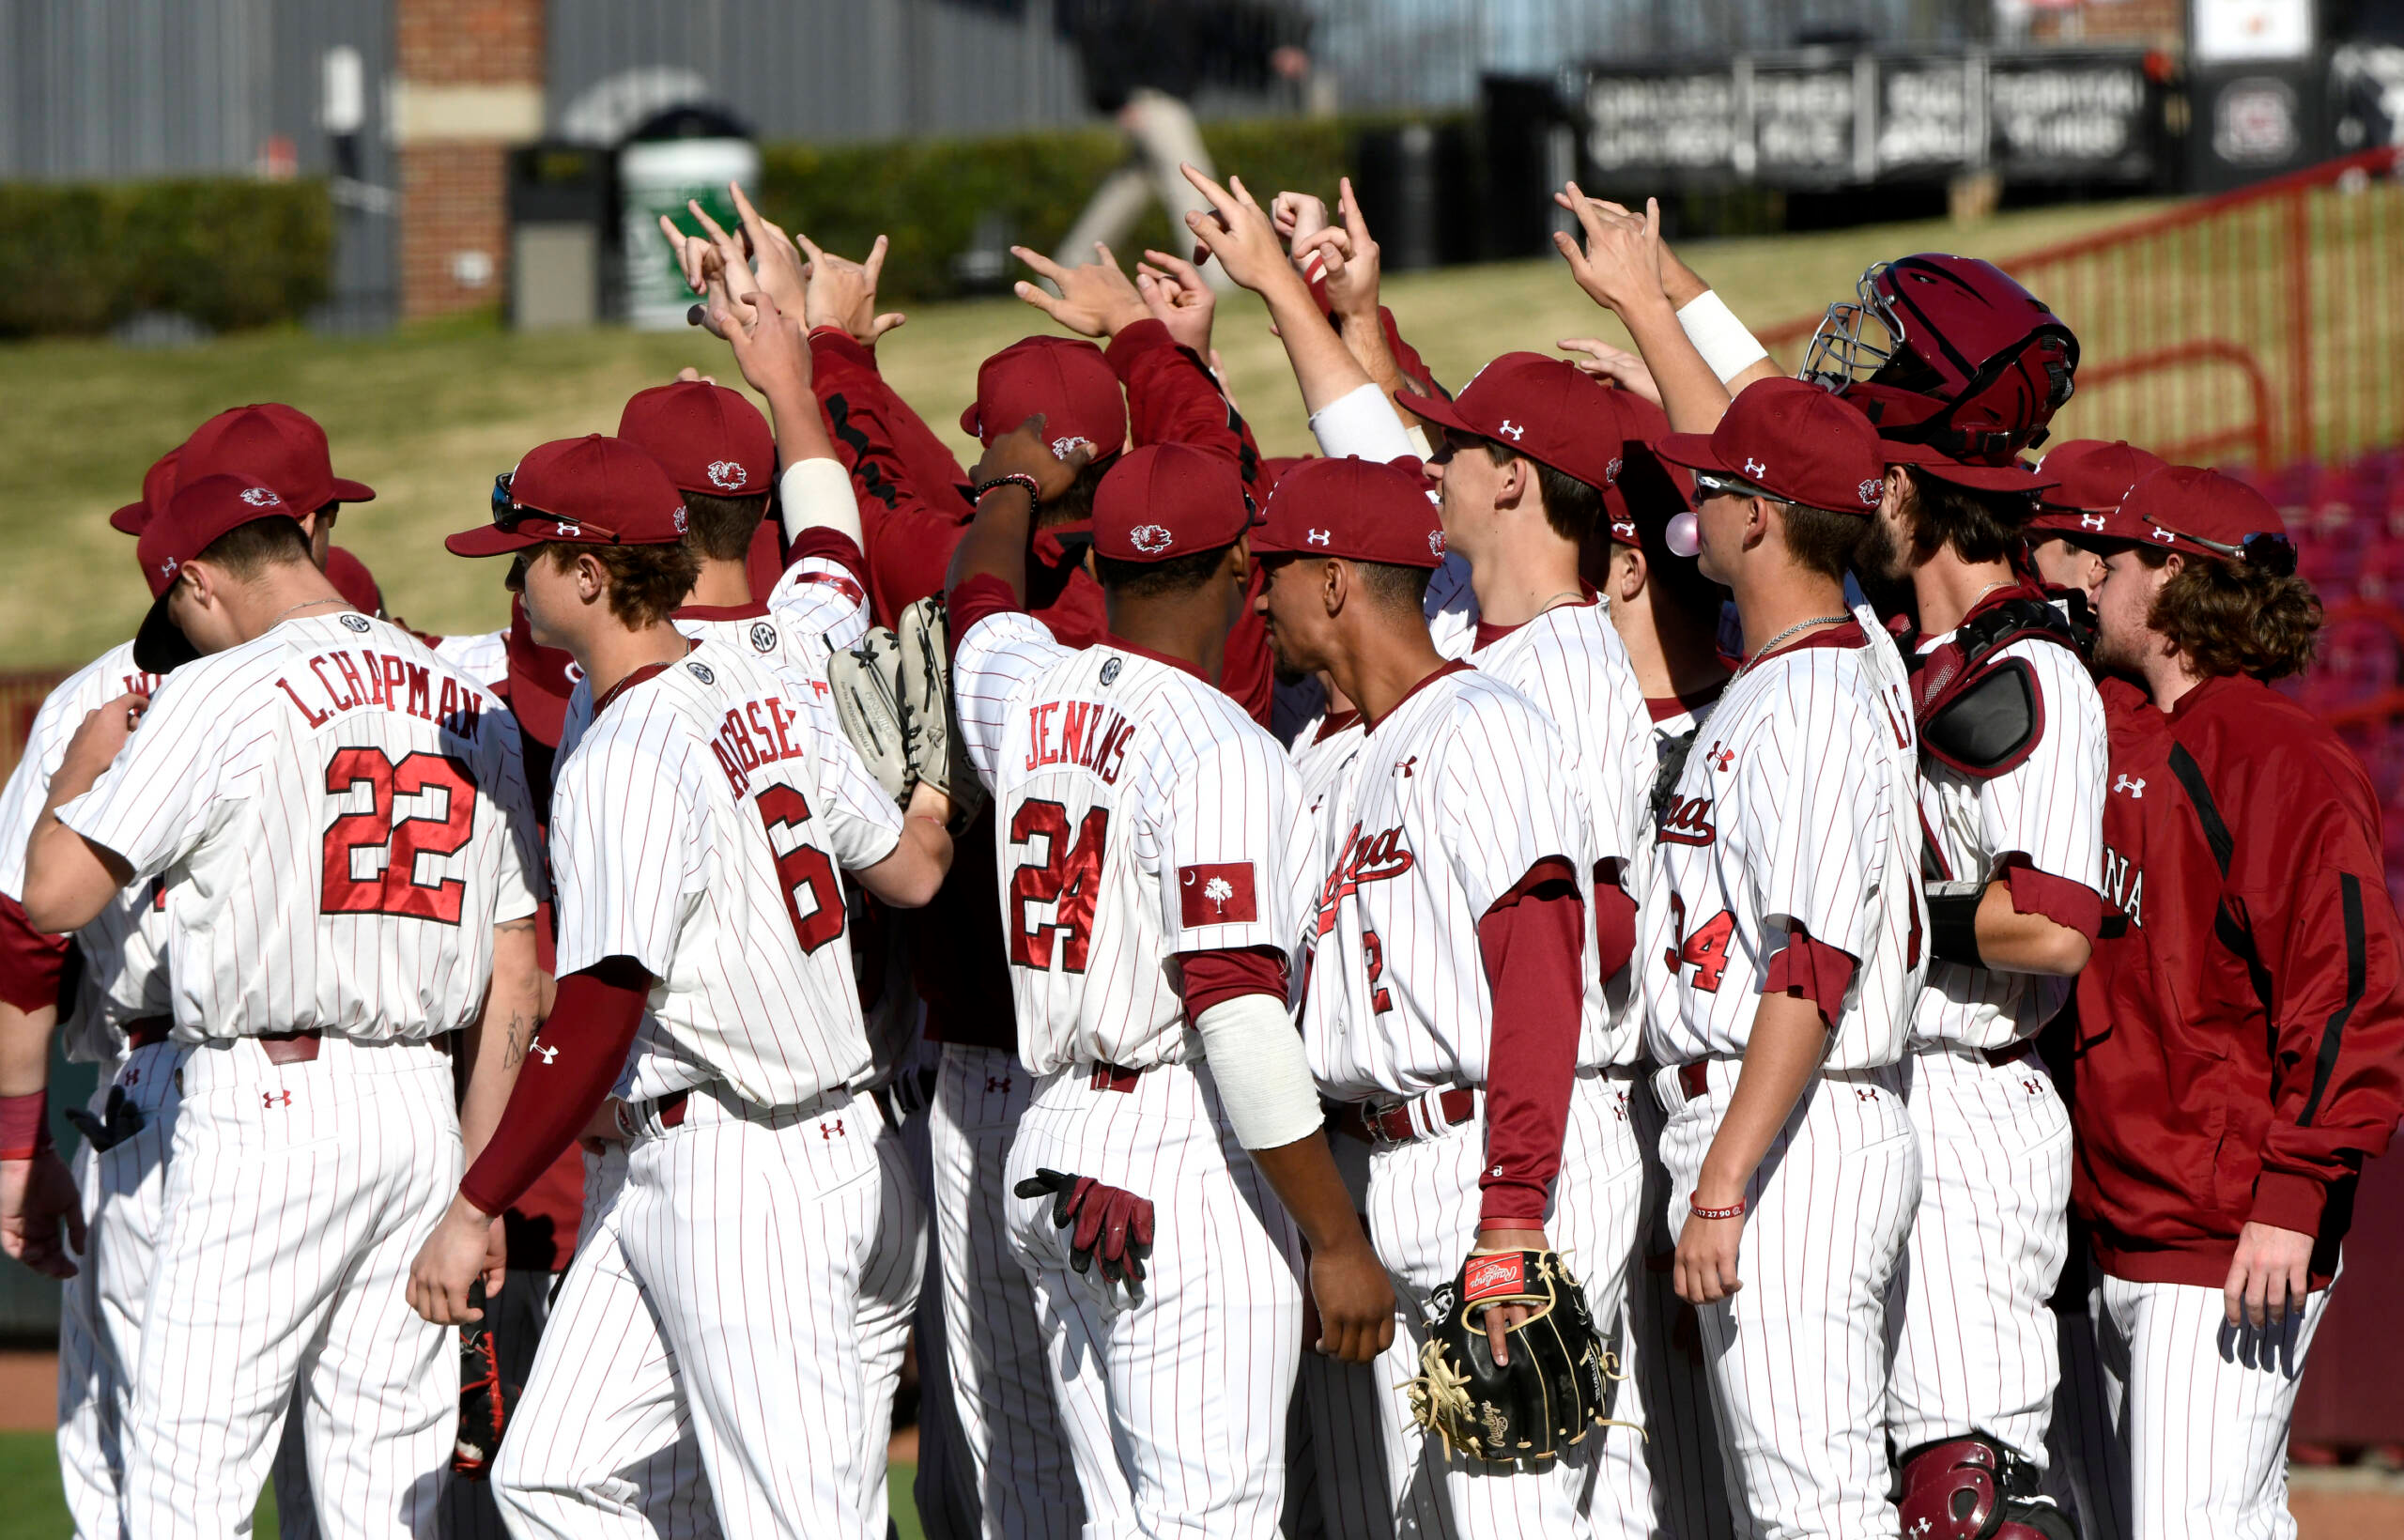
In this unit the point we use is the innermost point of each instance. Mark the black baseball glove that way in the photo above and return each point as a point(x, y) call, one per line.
point(483, 1399)
point(1556, 1386)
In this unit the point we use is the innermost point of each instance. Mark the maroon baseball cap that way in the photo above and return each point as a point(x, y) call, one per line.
point(707, 437)
point(273, 445)
point(2203, 513)
point(1067, 379)
point(2092, 478)
point(200, 511)
point(1166, 501)
point(2011, 477)
point(540, 679)
point(596, 490)
point(1542, 408)
point(1650, 489)
point(1361, 510)
point(158, 485)
point(353, 581)
point(1795, 442)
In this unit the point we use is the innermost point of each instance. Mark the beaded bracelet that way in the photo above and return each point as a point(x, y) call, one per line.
point(1016, 478)
point(1701, 1212)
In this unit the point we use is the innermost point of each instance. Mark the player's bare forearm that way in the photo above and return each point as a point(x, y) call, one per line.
point(995, 544)
point(1355, 1297)
point(801, 425)
point(499, 1039)
point(1324, 365)
point(1783, 1053)
point(2012, 942)
point(909, 877)
point(68, 880)
point(24, 1049)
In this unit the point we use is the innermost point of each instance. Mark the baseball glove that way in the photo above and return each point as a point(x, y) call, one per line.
point(1556, 1386)
point(866, 683)
point(483, 1399)
point(938, 754)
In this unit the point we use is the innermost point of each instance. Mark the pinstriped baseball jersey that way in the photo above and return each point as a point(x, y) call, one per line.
point(2048, 809)
point(696, 824)
point(1452, 607)
point(1571, 664)
point(341, 818)
point(1439, 811)
point(124, 976)
point(1318, 755)
point(1797, 805)
point(1139, 814)
point(482, 657)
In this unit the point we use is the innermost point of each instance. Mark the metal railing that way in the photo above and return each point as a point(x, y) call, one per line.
point(2267, 321)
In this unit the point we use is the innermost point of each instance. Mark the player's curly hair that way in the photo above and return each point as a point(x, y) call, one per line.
point(721, 528)
point(1980, 526)
point(2230, 617)
point(646, 582)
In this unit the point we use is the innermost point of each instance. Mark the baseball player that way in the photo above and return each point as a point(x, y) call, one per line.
point(2013, 749)
point(1150, 835)
point(1782, 950)
point(1457, 859)
point(2241, 1049)
point(2091, 478)
point(316, 791)
point(696, 963)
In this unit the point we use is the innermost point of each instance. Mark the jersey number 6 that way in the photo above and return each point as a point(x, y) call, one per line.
point(805, 866)
point(1068, 878)
point(394, 889)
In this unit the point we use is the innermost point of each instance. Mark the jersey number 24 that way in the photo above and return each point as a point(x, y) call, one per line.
point(1068, 878)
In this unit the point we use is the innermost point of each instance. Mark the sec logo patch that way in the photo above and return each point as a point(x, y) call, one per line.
point(763, 637)
point(701, 672)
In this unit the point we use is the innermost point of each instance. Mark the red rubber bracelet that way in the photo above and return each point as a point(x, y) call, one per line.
point(1701, 1212)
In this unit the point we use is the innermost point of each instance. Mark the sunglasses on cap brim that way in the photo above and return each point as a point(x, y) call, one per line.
point(2263, 549)
point(1709, 485)
point(508, 513)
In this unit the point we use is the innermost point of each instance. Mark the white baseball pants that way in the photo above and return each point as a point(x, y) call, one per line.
point(1423, 1199)
point(1336, 1487)
point(1798, 1356)
point(1174, 1406)
point(2200, 1411)
point(1020, 1469)
point(295, 1197)
point(743, 1235)
point(888, 1303)
point(1973, 1342)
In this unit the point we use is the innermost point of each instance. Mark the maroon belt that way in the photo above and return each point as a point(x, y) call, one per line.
point(1695, 1079)
point(148, 1032)
point(2011, 1053)
point(1393, 1125)
point(1114, 1077)
point(291, 1047)
point(670, 1109)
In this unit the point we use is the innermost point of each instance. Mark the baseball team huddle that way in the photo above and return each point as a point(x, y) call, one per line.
point(1645, 948)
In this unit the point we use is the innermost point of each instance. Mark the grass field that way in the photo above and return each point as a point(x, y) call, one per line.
point(427, 416)
point(34, 1509)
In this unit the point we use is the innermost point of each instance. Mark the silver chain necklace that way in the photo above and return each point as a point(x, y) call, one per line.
point(1772, 642)
point(304, 605)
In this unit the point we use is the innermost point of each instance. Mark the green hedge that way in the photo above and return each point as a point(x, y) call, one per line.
point(928, 195)
point(79, 258)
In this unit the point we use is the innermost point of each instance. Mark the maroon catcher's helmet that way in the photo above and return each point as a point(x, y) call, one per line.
point(1973, 1488)
point(1972, 363)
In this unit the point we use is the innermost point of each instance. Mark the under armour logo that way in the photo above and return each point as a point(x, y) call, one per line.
point(167, 569)
point(1404, 766)
point(2032, 1087)
point(270, 1099)
point(572, 530)
point(1720, 758)
point(831, 1130)
point(133, 1075)
point(2134, 788)
point(997, 1085)
point(550, 1055)
point(1755, 468)
point(1865, 1093)
point(726, 476)
point(1512, 430)
point(2091, 521)
point(1318, 537)
point(2163, 535)
point(1920, 1529)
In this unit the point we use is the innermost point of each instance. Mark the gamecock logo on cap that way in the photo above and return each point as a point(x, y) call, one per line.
point(259, 497)
point(1610, 472)
point(726, 476)
point(1869, 490)
point(677, 518)
point(1063, 448)
point(1436, 543)
point(1151, 539)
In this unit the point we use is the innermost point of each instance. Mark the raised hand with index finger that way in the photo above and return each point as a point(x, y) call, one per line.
point(1095, 299)
point(842, 293)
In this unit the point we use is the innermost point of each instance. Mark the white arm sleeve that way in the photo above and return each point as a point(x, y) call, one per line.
point(1718, 336)
point(1257, 1058)
point(1362, 422)
point(817, 495)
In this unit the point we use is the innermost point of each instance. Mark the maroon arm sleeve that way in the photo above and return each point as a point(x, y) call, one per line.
point(1173, 398)
point(1614, 922)
point(1812, 970)
point(591, 1029)
point(1215, 976)
point(2065, 902)
point(2326, 932)
point(1534, 941)
point(912, 511)
point(31, 960)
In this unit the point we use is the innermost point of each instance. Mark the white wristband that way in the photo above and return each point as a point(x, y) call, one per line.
point(1361, 421)
point(817, 495)
point(1718, 336)
point(1256, 1055)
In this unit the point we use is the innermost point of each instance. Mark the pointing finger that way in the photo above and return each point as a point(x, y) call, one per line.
point(1044, 267)
point(809, 247)
point(876, 263)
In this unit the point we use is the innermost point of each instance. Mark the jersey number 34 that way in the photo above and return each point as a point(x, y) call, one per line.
point(1705, 946)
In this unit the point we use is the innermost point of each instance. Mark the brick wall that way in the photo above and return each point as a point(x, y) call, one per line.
point(470, 86)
